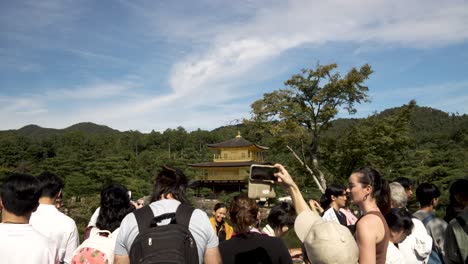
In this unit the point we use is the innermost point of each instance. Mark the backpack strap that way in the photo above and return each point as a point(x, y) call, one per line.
point(143, 217)
point(428, 218)
point(461, 221)
point(183, 214)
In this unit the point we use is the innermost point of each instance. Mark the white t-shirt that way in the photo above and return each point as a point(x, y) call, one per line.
point(417, 246)
point(199, 226)
point(94, 217)
point(58, 227)
point(394, 255)
point(22, 244)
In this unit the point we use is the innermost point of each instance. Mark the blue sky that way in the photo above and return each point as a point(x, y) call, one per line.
point(144, 65)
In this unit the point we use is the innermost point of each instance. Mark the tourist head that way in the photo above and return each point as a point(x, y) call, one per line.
point(427, 194)
point(51, 185)
point(281, 218)
point(170, 183)
point(367, 185)
point(408, 185)
point(398, 195)
point(219, 212)
point(400, 224)
point(325, 241)
point(335, 196)
point(20, 194)
point(115, 205)
point(459, 193)
point(243, 213)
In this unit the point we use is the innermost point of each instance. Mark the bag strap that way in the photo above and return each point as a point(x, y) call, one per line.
point(183, 214)
point(461, 221)
point(143, 217)
point(428, 218)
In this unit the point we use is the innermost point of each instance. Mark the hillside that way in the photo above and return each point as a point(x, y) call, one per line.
point(35, 131)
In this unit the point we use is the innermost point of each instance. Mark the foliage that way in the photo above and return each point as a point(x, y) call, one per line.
point(421, 143)
point(303, 110)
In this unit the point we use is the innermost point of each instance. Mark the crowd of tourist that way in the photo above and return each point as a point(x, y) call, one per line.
point(381, 230)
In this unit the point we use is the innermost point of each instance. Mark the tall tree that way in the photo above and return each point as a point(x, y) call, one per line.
point(310, 100)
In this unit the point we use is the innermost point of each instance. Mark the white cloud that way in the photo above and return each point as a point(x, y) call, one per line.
point(237, 48)
point(227, 54)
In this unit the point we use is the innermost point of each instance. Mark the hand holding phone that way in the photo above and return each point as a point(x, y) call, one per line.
point(263, 173)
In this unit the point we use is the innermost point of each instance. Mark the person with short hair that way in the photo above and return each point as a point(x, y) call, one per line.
point(408, 185)
point(249, 245)
point(400, 225)
point(280, 219)
point(49, 221)
point(333, 200)
point(20, 243)
point(223, 230)
point(456, 235)
point(323, 241)
point(168, 193)
point(428, 195)
point(418, 244)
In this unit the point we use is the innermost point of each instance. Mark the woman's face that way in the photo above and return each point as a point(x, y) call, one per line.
point(220, 214)
point(356, 191)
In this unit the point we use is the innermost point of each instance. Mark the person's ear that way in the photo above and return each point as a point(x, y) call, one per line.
point(333, 197)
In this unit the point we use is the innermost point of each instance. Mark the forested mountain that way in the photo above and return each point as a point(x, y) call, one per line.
point(421, 143)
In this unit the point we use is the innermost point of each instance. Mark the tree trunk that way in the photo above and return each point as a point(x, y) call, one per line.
point(308, 169)
point(314, 157)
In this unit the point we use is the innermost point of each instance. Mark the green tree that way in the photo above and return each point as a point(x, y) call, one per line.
point(310, 101)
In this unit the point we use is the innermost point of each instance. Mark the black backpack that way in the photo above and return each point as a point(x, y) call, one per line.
point(171, 243)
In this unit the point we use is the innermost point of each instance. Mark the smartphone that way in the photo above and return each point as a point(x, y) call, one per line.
point(262, 181)
point(263, 173)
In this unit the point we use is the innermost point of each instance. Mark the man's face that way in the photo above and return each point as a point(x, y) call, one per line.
point(409, 193)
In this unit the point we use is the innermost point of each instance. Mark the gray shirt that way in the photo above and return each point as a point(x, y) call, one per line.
point(435, 228)
point(199, 226)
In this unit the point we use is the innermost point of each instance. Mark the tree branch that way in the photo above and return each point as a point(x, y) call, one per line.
point(308, 169)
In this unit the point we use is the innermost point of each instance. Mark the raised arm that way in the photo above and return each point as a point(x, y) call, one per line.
point(286, 180)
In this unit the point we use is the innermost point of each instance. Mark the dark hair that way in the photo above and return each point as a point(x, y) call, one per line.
point(50, 184)
point(219, 205)
point(20, 194)
point(243, 212)
point(170, 181)
point(332, 189)
point(458, 188)
point(282, 214)
point(405, 182)
point(399, 219)
point(115, 205)
point(426, 192)
point(380, 187)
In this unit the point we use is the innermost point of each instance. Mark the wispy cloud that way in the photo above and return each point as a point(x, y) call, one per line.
point(91, 92)
point(222, 48)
